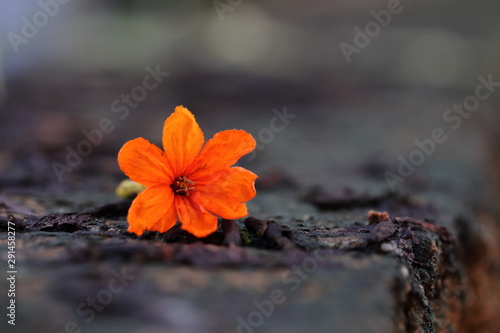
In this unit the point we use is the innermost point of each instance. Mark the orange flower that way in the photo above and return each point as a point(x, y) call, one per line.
point(186, 181)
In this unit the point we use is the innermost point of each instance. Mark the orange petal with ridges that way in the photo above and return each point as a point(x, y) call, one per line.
point(182, 139)
point(153, 209)
point(222, 151)
point(221, 205)
point(144, 163)
point(194, 218)
point(235, 182)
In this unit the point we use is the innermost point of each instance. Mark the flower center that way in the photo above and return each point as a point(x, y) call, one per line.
point(181, 185)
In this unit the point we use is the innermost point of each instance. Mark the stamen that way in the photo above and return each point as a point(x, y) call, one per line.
point(180, 185)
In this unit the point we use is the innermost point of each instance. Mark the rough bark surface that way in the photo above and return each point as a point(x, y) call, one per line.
point(341, 270)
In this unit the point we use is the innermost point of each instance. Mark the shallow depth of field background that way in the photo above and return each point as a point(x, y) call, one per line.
point(350, 122)
point(233, 68)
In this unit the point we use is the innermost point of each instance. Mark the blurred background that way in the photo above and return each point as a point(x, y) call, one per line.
point(359, 101)
point(335, 93)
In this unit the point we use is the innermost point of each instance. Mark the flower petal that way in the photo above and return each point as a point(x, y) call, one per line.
point(144, 163)
point(235, 182)
point(225, 192)
point(182, 139)
point(194, 218)
point(221, 205)
point(222, 151)
point(153, 209)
